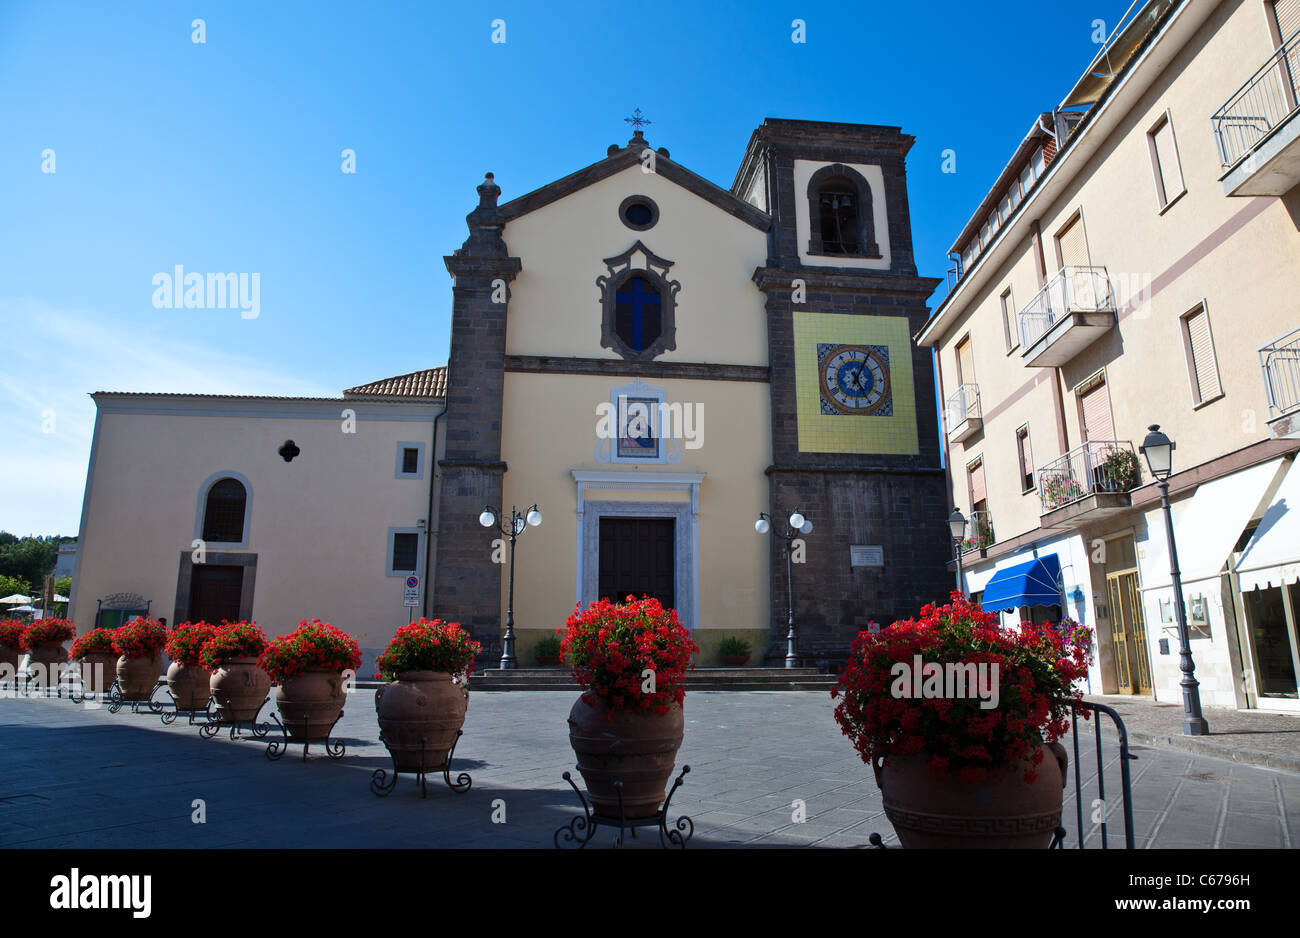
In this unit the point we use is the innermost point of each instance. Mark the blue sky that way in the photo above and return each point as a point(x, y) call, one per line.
point(226, 156)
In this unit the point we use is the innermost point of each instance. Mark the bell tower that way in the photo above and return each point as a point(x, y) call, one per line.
point(855, 435)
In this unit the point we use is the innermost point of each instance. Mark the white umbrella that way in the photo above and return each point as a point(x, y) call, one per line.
point(61, 599)
point(15, 599)
point(23, 609)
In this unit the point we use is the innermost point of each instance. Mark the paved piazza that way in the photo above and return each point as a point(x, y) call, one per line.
point(83, 778)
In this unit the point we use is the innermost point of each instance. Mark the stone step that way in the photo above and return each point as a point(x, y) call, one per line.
point(721, 679)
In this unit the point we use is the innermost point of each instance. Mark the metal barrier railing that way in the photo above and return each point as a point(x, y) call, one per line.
point(962, 405)
point(1280, 362)
point(1073, 289)
point(1095, 466)
point(1099, 807)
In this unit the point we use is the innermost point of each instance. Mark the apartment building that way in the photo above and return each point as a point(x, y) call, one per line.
point(1137, 262)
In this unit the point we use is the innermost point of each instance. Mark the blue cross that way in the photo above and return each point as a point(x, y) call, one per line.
point(639, 298)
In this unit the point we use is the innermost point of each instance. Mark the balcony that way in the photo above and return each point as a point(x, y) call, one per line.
point(1087, 483)
point(1280, 362)
point(981, 534)
point(1256, 130)
point(1070, 312)
point(963, 413)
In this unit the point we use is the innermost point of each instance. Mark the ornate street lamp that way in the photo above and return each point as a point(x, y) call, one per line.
point(796, 525)
point(957, 525)
point(518, 522)
point(1159, 452)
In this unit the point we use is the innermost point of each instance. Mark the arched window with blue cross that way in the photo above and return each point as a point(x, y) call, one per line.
point(638, 313)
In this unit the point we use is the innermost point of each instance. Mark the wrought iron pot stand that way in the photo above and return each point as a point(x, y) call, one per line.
point(382, 785)
point(275, 749)
point(582, 829)
point(215, 723)
point(117, 701)
point(207, 714)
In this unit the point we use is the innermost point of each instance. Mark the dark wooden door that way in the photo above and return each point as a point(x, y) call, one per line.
point(637, 556)
point(215, 592)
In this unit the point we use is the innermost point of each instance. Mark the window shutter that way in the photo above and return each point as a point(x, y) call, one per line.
point(1074, 252)
point(1205, 372)
point(1009, 325)
point(1170, 173)
point(1286, 13)
point(1097, 424)
point(965, 363)
point(976, 483)
point(1026, 458)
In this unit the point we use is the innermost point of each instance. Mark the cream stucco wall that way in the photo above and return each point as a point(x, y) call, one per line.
point(550, 429)
point(555, 304)
point(1238, 256)
point(318, 525)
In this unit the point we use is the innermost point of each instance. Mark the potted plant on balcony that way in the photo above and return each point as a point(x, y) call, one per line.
point(139, 644)
point(307, 668)
point(239, 686)
point(189, 683)
point(43, 640)
point(547, 651)
point(422, 708)
point(1119, 470)
point(1060, 489)
point(981, 535)
point(11, 647)
point(95, 658)
point(631, 661)
point(734, 652)
point(953, 771)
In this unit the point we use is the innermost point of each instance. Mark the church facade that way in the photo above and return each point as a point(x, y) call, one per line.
point(649, 359)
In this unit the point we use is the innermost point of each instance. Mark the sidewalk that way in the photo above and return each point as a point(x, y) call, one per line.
point(1254, 737)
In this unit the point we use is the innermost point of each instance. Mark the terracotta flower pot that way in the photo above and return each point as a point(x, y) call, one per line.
point(190, 685)
point(98, 668)
point(735, 661)
point(637, 749)
point(1006, 812)
point(137, 677)
point(420, 703)
point(239, 687)
point(310, 703)
point(47, 664)
point(10, 656)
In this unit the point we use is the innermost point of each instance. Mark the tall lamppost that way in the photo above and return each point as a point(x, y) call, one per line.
point(1159, 452)
point(796, 525)
point(489, 519)
point(957, 526)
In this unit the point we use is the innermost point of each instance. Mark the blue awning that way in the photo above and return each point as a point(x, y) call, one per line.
point(1033, 583)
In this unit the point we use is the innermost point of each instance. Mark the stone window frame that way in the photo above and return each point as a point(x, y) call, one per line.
point(421, 544)
point(402, 447)
point(201, 514)
point(868, 246)
point(618, 270)
point(648, 202)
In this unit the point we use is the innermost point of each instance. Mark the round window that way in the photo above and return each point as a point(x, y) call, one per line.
point(638, 212)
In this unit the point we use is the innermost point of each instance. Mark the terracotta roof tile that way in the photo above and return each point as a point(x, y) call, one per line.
point(431, 383)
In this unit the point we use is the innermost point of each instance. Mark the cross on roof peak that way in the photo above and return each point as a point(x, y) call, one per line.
point(637, 120)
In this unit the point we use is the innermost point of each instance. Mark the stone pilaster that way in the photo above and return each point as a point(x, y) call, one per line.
point(467, 583)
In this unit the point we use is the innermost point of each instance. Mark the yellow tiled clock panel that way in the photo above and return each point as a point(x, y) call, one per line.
point(853, 381)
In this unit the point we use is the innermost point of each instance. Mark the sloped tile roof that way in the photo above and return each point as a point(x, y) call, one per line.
point(430, 384)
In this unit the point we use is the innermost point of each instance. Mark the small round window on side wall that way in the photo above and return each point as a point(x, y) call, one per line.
point(638, 212)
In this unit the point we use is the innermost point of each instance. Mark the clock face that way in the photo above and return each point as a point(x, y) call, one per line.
point(854, 379)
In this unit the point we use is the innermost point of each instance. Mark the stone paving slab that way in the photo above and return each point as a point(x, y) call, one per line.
point(1253, 737)
point(83, 778)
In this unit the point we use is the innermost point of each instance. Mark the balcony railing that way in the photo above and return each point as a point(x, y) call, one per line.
point(963, 405)
point(1097, 466)
point(1280, 362)
point(1265, 101)
point(979, 534)
point(1073, 289)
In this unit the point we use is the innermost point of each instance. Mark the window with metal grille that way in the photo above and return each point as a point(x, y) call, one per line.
point(406, 551)
point(223, 514)
point(638, 313)
point(1202, 368)
point(410, 460)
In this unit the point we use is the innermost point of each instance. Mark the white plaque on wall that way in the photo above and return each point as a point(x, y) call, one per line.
point(866, 555)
